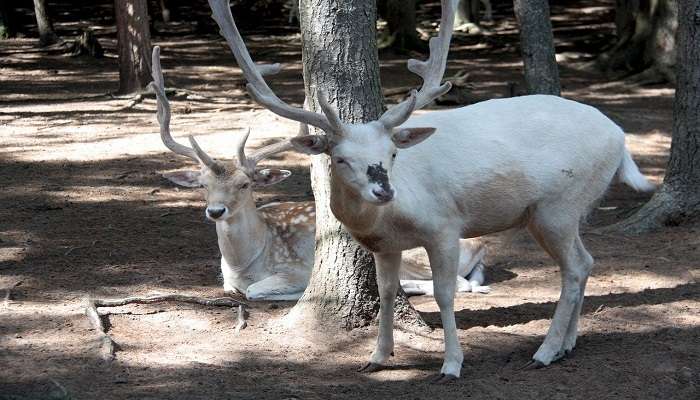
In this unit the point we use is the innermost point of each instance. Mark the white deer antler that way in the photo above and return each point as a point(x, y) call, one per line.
point(257, 87)
point(247, 163)
point(431, 71)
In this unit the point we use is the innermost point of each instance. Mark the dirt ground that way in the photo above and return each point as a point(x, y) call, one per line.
point(84, 211)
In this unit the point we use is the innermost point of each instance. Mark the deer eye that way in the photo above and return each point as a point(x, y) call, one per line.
point(393, 156)
point(340, 160)
point(244, 186)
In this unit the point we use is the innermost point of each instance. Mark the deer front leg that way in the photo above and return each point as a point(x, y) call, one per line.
point(231, 284)
point(444, 259)
point(277, 287)
point(388, 283)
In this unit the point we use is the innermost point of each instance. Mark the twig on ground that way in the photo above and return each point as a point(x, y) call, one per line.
point(8, 294)
point(64, 392)
point(107, 345)
point(242, 323)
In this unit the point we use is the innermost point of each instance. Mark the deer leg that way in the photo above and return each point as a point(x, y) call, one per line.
point(388, 265)
point(572, 330)
point(560, 241)
point(444, 258)
point(230, 281)
point(277, 287)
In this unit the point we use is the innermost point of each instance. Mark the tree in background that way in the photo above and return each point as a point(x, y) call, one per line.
point(400, 16)
point(47, 36)
point(339, 53)
point(537, 47)
point(133, 45)
point(646, 40)
point(678, 199)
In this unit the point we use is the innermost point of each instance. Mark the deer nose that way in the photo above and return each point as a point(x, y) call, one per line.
point(383, 195)
point(215, 212)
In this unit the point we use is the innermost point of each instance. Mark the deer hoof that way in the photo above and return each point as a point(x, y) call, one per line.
point(371, 367)
point(442, 379)
point(532, 364)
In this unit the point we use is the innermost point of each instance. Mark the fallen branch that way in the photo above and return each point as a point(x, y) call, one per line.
point(108, 346)
point(215, 302)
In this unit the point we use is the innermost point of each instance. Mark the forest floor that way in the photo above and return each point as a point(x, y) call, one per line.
point(84, 211)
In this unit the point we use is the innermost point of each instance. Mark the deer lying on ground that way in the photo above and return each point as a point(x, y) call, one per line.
point(538, 162)
point(268, 252)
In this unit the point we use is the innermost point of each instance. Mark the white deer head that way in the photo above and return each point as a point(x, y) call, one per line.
point(362, 154)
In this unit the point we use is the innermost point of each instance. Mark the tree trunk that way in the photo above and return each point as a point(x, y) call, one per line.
point(46, 34)
point(400, 16)
point(537, 46)
point(467, 13)
point(678, 199)
point(340, 55)
point(645, 45)
point(133, 45)
point(7, 29)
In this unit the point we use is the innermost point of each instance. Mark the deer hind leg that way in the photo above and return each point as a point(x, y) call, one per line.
point(444, 259)
point(277, 287)
point(557, 233)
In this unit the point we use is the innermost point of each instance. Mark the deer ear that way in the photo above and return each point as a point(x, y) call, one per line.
point(184, 178)
point(310, 144)
point(406, 137)
point(270, 176)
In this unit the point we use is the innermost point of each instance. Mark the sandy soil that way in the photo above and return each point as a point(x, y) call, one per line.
point(84, 211)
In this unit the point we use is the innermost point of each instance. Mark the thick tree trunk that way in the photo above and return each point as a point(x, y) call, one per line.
point(133, 45)
point(537, 46)
point(645, 45)
point(340, 56)
point(400, 16)
point(467, 14)
point(46, 34)
point(678, 200)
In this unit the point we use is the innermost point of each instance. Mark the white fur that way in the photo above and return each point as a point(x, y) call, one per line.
point(535, 161)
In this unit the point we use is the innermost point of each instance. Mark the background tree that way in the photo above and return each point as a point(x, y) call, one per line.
point(133, 45)
point(468, 17)
point(47, 36)
point(537, 46)
point(400, 16)
point(646, 40)
point(678, 199)
point(339, 54)
point(7, 29)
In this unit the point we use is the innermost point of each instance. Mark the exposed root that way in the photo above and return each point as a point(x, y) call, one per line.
point(108, 346)
point(241, 320)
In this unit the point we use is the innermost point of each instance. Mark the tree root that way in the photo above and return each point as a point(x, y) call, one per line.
point(108, 346)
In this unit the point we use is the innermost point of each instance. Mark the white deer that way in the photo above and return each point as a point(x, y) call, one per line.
point(268, 252)
point(535, 161)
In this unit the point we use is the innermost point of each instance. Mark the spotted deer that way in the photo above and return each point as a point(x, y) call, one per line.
point(428, 180)
point(268, 251)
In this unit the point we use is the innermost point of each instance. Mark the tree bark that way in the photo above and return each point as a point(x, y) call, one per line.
point(537, 47)
point(47, 36)
point(340, 55)
point(400, 16)
point(645, 44)
point(678, 200)
point(133, 45)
